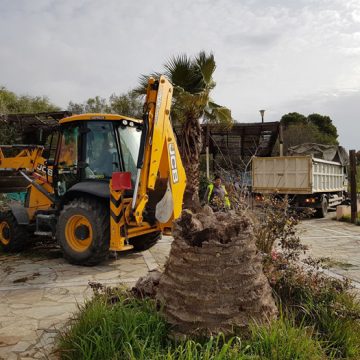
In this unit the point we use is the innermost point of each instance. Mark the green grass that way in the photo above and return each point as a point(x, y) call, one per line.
point(129, 329)
point(332, 263)
point(134, 329)
point(337, 323)
point(121, 327)
point(285, 340)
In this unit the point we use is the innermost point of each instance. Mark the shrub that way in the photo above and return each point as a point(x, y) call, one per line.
point(317, 300)
point(313, 298)
point(276, 225)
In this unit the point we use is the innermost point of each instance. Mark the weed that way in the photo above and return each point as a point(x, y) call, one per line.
point(332, 263)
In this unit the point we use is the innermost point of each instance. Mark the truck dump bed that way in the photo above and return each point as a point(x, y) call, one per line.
point(296, 175)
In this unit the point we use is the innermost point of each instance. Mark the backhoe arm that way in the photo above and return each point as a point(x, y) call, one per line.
point(159, 156)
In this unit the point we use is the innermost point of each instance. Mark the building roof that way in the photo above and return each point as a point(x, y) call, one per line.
point(242, 139)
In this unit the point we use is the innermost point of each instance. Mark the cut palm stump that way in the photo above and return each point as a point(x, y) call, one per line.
point(213, 280)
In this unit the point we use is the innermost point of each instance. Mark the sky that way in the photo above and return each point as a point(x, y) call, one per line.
point(278, 55)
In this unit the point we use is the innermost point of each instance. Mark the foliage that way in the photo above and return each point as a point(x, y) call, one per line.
point(324, 124)
point(192, 78)
point(314, 299)
point(299, 134)
point(320, 302)
point(127, 104)
point(277, 222)
point(293, 118)
point(96, 104)
point(10, 103)
point(314, 128)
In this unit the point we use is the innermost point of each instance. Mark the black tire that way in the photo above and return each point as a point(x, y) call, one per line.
point(13, 237)
point(97, 215)
point(322, 212)
point(144, 242)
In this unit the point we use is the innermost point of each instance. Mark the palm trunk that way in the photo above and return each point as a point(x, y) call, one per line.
point(213, 280)
point(190, 147)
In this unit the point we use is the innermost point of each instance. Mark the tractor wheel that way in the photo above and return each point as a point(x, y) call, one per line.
point(144, 242)
point(13, 236)
point(322, 212)
point(83, 231)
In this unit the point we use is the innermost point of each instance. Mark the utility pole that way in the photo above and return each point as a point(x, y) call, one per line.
point(353, 186)
point(281, 140)
point(262, 112)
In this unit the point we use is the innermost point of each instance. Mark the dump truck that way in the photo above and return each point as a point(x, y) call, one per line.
point(102, 183)
point(307, 181)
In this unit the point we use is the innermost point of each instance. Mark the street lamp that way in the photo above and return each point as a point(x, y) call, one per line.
point(262, 115)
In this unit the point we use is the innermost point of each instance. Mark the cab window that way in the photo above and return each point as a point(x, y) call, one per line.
point(68, 157)
point(101, 155)
point(130, 145)
point(50, 146)
point(67, 169)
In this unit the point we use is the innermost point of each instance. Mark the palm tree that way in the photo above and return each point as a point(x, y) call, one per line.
point(213, 280)
point(193, 82)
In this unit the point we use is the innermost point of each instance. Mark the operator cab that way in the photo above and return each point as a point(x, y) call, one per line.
point(93, 146)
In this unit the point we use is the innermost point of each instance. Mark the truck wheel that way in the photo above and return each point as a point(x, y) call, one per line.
point(144, 242)
point(83, 231)
point(13, 236)
point(322, 212)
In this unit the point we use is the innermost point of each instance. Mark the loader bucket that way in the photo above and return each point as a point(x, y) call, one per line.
point(12, 181)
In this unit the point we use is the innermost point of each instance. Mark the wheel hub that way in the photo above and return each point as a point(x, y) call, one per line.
point(82, 232)
point(79, 233)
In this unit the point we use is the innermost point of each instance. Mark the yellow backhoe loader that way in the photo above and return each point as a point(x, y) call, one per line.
point(108, 182)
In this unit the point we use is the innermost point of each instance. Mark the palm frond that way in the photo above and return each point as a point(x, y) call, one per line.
point(217, 114)
point(143, 83)
point(183, 72)
point(207, 66)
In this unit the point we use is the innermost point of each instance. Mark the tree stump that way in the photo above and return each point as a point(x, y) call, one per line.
point(213, 280)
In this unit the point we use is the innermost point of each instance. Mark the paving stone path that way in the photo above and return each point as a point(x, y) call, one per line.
point(39, 291)
point(339, 241)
